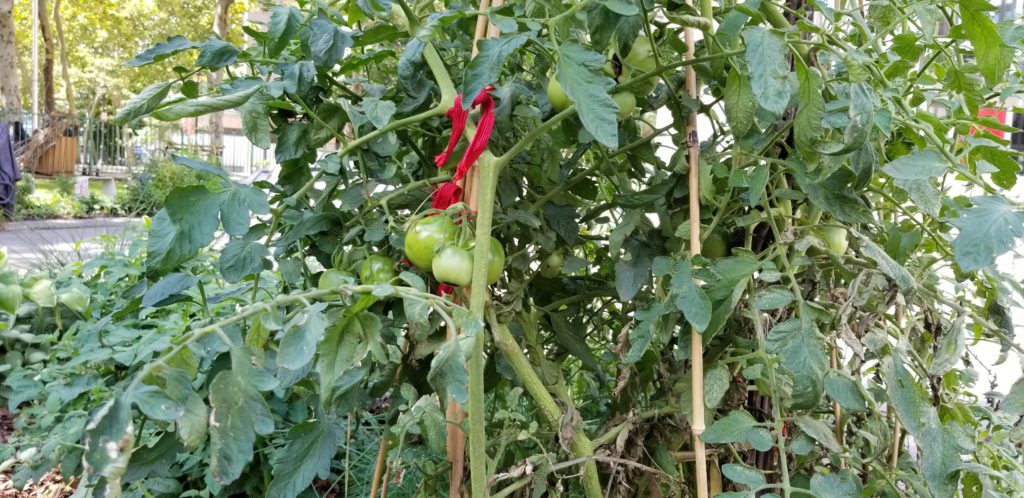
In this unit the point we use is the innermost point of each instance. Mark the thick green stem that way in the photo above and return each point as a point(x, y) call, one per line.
point(581, 444)
point(487, 166)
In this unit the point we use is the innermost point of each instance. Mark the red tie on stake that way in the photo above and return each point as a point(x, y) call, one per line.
point(451, 193)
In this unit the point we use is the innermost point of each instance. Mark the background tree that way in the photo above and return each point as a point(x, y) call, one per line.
point(9, 84)
point(221, 19)
point(46, 37)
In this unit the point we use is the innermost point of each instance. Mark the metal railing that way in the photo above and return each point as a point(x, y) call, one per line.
point(95, 146)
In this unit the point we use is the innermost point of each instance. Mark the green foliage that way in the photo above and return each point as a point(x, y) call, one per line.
point(245, 374)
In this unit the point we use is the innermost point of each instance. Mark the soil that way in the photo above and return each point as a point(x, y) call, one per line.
point(50, 486)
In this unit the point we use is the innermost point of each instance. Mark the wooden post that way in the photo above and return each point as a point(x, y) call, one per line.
point(696, 341)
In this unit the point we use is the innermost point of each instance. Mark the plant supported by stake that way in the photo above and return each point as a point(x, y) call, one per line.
point(628, 249)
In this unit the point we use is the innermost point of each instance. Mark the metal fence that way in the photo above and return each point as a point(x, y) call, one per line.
point(86, 145)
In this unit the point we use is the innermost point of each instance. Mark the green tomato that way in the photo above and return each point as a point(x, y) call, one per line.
point(377, 269)
point(453, 265)
point(551, 267)
point(836, 239)
point(559, 100)
point(626, 102)
point(495, 261)
point(640, 61)
point(426, 236)
point(334, 278)
point(715, 245)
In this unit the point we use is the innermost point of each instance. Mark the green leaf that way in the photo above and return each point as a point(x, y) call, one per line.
point(760, 439)
point(237, 414)
point(731, 428)
point(607, 26)
point(860, 119)
point(378, 111)
point(153, 460)
point(801, 348)
point(833, 194)
point(992, 55)
point(144, 103)
point(484, 69)
point(310, 447)
point(757, 182)
point(691, 298)
point(236, 205)
point(345, 345)
point(186, 224)
point(773, 297)
point(109, 440)
point(1013, 403)
point(742, 474)
point(284, 23)
point(291, 141)
point(807, 127)
point(845, 390)
point(769, 71)
point(205, 105)
point(217, 53)
point(192, 424)
point(448, 373)
point(327, 41)
point(716, 384)
point(167, 287)
point(740, 104)
point(579, 73)
point(842, 484)
point(201, 166)
point(987, 230)
point(302, 335)
point(625, 227)
point(820, 432)
point(256, 119)
point(162, 50)
point(241, 258)
point(620, 7)
point(886, 264)
point(950, 350)
point(921, 164)
point(633, 271)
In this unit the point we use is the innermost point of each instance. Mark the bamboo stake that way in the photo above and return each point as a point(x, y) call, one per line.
point(696, 341)
point(836, 411)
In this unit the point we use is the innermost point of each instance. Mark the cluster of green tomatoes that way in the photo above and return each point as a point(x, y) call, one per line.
point(435, 243)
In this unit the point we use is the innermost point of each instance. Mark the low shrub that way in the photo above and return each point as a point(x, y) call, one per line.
point(147, 189)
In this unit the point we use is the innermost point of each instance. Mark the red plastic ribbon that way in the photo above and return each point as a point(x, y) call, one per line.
point(450, 193)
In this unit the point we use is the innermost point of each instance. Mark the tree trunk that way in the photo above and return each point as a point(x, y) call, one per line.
point(9, 85)
point(69, 92)
point(49, 102)
point(220, 27)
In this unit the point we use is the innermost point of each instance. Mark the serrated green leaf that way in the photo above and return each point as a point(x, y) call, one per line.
point(256, 119)
point(143, 103)
point(802, 350)
point(951, 347)
point(302, 335)
point(1013, 403)
point(327, 41)
point(740, 103)
point(237, 414)
point(845, 391)
point(992, 54)
point(729, 429)
point(886, 264)
point(918, 165)
point(987, 230)
point(345, 344)
point(820, 432)
point(217, 53)
point(807, 127)
point(773, 297)
point(205, 105)
point(162, 50)
point(308, 452)
point(769, 71)
point(241, 258)
point(579, 73)
point(484, 69)
point(690, 297)
point(192, 424)
point(742, 474)
point(110, 439)
point(448, 373)
point(201, 166)
point(284, 23)
point(841, 484)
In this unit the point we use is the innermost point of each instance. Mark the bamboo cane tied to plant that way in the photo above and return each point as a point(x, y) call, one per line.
point(696, 341)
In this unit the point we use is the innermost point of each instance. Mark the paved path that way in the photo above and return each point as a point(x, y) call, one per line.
point(33, 243)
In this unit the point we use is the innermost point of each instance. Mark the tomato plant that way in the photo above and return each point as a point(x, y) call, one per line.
point(856, 373)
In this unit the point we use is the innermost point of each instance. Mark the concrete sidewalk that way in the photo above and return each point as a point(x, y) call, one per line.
point(33, 243)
